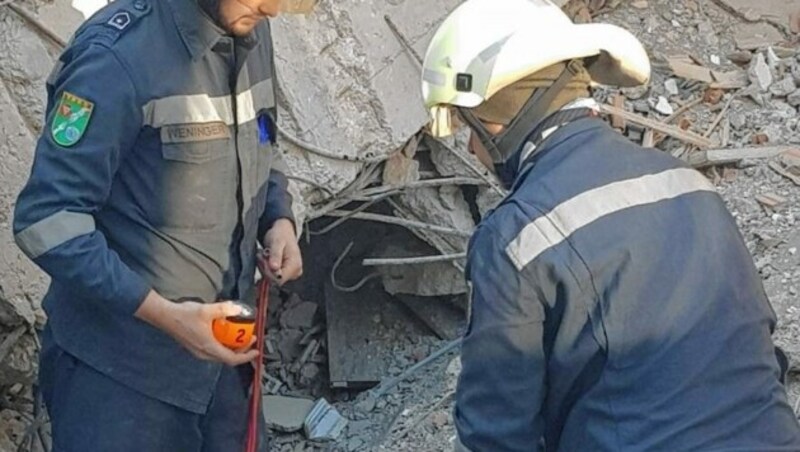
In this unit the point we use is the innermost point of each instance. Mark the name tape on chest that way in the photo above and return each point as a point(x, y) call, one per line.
point(190, 133)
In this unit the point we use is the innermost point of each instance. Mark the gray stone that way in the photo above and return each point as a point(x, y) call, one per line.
point(784, 87)
point(367, 404)
point(671, 86)
point(300, 315)
point(324, 422)
point(12, 429)
point(641, 106)
point(354, 444)
point(794, 98)
point(636, 93)
point(772, 59)
point(289, 344)
point(759, 73)
point(662, 106)
point(286, 414)
point(738, 120)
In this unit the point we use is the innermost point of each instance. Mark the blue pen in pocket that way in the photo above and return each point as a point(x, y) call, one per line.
point(264, 135)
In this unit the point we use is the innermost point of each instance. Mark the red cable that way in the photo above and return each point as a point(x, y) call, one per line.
point(261, 327)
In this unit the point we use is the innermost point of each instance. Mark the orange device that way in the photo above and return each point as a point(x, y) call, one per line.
point(236, 331)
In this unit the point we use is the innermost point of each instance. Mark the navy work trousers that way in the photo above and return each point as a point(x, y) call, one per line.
point(90, 412)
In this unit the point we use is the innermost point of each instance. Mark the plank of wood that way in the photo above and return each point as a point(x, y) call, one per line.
point(729, 80)
point(725, 156)
point(784, 172)
point(690, 71)
point(658, 126)
point(618, 122)
point(445, 320)
point(771, 200)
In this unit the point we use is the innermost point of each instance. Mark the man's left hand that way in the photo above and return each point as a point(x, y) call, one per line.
point(285, 260)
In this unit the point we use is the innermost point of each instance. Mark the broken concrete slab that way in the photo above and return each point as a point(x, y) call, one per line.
point(784, 87)
point(756, 36)
point(760, 73)
point(324, 423)
point(64, 16)
point(286, 414)
point(364, 328)
point(663, 107)
point(778, 12)
point(443, 318)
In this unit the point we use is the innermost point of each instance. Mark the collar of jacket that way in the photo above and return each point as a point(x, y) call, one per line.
point(523, 156)
point(199, 32)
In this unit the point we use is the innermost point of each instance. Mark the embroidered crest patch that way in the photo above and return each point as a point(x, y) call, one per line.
point(71, 119)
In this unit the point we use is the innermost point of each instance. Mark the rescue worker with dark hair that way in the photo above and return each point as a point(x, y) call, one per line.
point(154, 179)
point(614, 304)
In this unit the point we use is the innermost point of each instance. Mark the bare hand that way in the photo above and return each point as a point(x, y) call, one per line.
point(189, 324)
point(285, 260)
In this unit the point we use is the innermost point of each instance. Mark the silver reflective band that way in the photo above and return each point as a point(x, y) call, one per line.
point(434, 77)
point(53, 231)
point(202, 108)
point(550, 230)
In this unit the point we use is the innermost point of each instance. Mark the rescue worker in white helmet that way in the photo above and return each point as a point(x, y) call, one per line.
point(614, 305)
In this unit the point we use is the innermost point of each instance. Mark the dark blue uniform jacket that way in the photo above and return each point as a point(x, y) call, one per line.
point(169, 188)
point(615, 307)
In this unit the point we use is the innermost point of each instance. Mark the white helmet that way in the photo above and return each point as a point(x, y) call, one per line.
point(486, 45)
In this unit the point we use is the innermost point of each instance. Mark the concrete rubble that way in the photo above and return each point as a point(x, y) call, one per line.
point(726, 73)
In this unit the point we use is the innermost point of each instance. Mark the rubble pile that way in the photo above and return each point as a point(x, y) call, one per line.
point(295, 346)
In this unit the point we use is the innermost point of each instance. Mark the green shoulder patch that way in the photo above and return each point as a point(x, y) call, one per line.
point(71, 119)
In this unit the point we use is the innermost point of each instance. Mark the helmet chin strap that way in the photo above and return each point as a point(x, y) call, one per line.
point(503, 146)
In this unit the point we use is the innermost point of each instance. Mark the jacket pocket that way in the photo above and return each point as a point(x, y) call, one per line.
point(198, 183)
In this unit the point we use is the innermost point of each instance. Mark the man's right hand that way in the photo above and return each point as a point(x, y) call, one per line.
point(189, 323)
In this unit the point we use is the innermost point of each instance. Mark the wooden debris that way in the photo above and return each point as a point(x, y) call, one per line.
point(684, 108)
point(658, 126)
point(794, 22)
point(729, 80)
point(741, 57)
point(713, 96)
point(791, 159)
point(649, 138)
point(683, 68)
point(617, 121)
point(771, 200)
point(726, 156)
point(729, 174)
point(778, 168)
point(759, 138)
point(401, 168)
